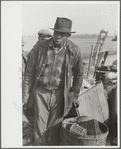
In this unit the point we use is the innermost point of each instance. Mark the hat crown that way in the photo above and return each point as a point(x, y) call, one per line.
point(63, 24)
point(44, 32)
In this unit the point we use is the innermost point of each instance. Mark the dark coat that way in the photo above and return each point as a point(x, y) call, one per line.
point(36, 64)
point(24, 61)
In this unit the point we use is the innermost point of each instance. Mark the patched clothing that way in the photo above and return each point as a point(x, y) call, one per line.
point(52, 76)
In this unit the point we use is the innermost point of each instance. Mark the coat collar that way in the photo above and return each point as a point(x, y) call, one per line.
point(49, 43)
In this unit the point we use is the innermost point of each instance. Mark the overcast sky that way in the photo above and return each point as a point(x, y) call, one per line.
point(87, 18)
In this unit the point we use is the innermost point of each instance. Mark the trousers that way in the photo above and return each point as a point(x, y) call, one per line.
point(48, 108)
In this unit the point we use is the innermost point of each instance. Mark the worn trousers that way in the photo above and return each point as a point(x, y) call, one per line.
point(48, 108)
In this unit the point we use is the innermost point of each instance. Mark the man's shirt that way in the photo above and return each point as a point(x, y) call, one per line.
point(52, 76)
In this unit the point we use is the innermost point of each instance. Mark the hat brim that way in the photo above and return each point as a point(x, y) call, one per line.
point(45, 35)
point(61, 30)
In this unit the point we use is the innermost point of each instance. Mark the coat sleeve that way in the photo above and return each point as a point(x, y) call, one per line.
point(78, 73)
point(29, 75)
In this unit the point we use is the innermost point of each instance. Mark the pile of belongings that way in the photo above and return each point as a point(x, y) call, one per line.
point(110, 78)
point(86, 84)
point(107, 74)
point(112, 67)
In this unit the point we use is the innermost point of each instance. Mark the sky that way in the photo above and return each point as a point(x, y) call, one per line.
point(87, 18)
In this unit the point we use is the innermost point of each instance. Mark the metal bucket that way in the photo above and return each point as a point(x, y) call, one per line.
point(70, 138)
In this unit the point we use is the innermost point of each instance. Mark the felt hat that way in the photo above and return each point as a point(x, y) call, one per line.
point(63, 25)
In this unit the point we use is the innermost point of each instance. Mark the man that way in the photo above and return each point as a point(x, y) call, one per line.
point(47, 83)
point(43, 34)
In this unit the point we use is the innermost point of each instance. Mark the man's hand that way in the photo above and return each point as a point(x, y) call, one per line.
point(75, 99)
point(76, 103)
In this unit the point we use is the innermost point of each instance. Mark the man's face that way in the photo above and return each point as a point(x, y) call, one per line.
point(60, 38)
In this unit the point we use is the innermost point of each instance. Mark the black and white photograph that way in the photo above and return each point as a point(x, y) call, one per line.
point(66, 74)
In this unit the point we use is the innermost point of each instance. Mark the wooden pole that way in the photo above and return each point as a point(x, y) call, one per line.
point(91, 54)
